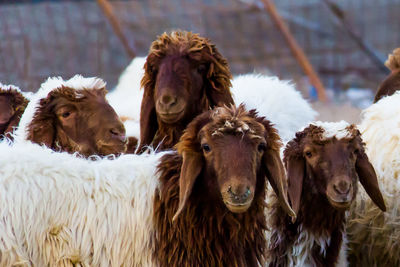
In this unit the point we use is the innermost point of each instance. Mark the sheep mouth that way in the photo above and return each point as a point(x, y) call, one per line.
point(238, 207)
point(171, 117)
point(114, 147)
point(339, 204)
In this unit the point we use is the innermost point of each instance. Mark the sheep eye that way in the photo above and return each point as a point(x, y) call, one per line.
point(66, 114)
point(356, 151)
point(262, 147)
point(308, 154)
point(206, 148)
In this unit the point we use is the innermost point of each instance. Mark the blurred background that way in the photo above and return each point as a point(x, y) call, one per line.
point(346, 41)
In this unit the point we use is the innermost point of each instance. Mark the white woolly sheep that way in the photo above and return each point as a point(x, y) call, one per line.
point(59, 210)
point(374, 236)
point(72, 116)
point(275, 99)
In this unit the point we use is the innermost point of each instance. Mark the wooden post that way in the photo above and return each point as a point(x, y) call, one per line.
point(296, 49)
point(109, 12)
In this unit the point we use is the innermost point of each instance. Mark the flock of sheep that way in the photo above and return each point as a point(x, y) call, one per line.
point(185, 165)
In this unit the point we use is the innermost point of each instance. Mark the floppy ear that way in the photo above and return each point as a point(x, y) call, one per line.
point(295, 173)
point(148, 120)
point(368, 179)
point(277, 178)
point(191, 168)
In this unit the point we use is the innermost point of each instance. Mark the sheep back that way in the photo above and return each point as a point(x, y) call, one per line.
point(61, 210)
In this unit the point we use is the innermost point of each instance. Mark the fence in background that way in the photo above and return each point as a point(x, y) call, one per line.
point(45, 38)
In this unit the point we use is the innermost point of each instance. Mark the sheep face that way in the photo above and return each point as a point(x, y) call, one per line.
point(78, 121)
point(233, 151)
point(6, 108)
point(332, 167)
point(185, 75)
point(179, 88)
point(235, 160)
point(328, 159)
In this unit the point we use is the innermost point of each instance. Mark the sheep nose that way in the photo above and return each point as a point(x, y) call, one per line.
point(241, 194)
point(168, 101)
point(119, 133)
point(342, 188)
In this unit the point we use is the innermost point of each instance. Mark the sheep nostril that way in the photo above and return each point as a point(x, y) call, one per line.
point(342, 188)
point(168, 101)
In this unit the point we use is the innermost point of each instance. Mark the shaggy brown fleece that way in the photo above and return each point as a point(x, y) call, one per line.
point(188, 67)
point(206, 233)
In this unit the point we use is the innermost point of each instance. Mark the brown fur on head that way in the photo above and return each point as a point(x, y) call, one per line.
point(12, 106)
point(391, 84)
point(212, 192)
point(78, 121)
point(233, 148)
point(185, 75)
point(327, 162)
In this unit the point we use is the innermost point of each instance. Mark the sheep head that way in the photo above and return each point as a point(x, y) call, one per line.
point(12, 105)
point(234, 151)
point(329, 159)
point(184, 76)
point(6, 109)
point(78, 121)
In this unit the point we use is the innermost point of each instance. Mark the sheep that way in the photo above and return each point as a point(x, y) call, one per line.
point(12, 105)
point(275, 99)
point(374, 236)
point(126, 99)
point(73, 116)
point(323, 163)
point(392, 82)
point(184, 75)
point(131, 212)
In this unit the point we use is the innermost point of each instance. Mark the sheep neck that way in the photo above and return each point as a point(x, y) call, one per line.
point(316, 218)
point(205, 233)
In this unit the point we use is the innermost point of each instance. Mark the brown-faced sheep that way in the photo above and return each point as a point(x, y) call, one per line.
point(392, 82)
point(185, 75)
point(212, 192)
point(324, 162)
point(202, 206)
point(12, 106)
point(73, 116)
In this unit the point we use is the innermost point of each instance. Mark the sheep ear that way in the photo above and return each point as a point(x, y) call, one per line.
point(42, 132)
point(368, 179)
point(277, 178)
point(148, 120)
point(295, 173)
point(191, 168)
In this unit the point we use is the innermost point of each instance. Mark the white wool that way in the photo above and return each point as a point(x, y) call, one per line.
point(127, 96)
point(380, 129)
point(59, 210)
point(334, 129)
point(78, 82)
point(8, 87)
point(275, 99)
point(132, 128)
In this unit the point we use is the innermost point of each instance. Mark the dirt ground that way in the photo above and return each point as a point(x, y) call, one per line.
point(333, 112)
